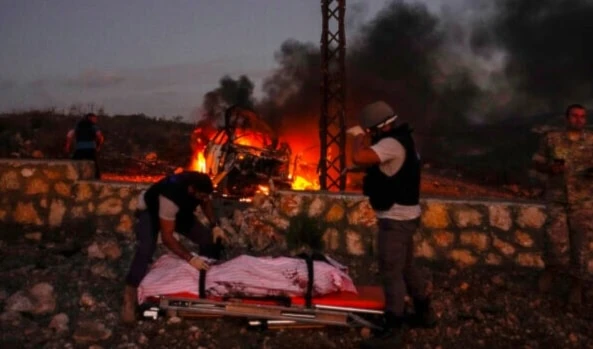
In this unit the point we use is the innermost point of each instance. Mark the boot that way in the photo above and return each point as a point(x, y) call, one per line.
point(128, 312)
point(575, 296)
point(424, 316)
point(545, 281)
point(390, 336)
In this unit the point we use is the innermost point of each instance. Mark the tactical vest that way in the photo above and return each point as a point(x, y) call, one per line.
point(403, 188)
point(176, 189)
point(85, 135)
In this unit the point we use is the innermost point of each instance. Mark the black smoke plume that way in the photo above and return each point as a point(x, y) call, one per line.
point(480, 62)
point(549, 52)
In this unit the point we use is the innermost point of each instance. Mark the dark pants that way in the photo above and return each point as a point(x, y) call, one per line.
point(88, 154)
point(146, 242)
point(396, 264)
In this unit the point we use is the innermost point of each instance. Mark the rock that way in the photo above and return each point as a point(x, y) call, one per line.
point(530, 260)
point(435, 216)
point(443, 238)
point(531, 217)
point(9, 181)
point(500, 217)
point(126, 224)
point(110, 207)
point(59, 323)
point(290, 205)
point(467, 218)
point(524, 239)
point(331, 239)
point(45, 299)
point(478, 240)
point(37, 186)
point(87, 300)
point(504, 247)
point(27, 172)
point(335, 213)
point(174, 320)
point(354, 243)
point(12, 318)
point(56, 213)
point(497, 280)
point(25, 213)
point(19, 302)
point(34, 236)
point(103, 271)
point(142, 339)
point(463, 258)
point(152, 156)
point(424, 249)
point(111, 250)
point(91, 331)
point(94, 251)
point(316, 207)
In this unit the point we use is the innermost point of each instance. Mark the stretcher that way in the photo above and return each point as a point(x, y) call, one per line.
point(340, 309)
point(358, 306)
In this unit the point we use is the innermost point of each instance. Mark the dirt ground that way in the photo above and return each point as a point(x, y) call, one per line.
point(477, 308)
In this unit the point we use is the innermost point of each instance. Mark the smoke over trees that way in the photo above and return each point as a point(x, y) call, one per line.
point(548, 50)
point(230, 92)
point(480, 61)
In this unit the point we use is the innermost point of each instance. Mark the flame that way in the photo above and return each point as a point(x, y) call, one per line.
point(302, 168)
point(198, 162)
point(301, 183)
point(251, 138)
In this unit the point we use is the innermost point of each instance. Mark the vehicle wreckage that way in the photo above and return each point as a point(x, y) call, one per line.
point(245, 157)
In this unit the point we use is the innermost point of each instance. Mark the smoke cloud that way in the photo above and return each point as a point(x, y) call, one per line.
point(477, 61)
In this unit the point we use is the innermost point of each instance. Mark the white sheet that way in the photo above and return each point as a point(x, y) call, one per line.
point(244, 276)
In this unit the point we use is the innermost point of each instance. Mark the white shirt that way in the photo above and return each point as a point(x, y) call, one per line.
point(167, 208)
point(392, 155)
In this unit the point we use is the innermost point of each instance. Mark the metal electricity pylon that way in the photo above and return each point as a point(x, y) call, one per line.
point(332, 133)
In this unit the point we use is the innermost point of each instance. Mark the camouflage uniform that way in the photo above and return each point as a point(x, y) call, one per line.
point(569, 195)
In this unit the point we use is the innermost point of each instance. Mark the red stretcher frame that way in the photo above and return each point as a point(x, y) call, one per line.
point(341, 309)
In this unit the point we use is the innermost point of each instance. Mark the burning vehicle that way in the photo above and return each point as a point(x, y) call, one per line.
point(243, 157)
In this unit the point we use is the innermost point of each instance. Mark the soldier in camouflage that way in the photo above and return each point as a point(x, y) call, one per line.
point(565, 159)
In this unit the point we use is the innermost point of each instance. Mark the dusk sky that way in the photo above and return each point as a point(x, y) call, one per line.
point(144, 56)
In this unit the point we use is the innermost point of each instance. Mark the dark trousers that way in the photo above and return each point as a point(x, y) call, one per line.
point(88, 154)
point(146, 243)
point(396, 264)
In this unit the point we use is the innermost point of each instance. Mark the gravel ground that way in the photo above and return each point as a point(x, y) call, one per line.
point(478, 308)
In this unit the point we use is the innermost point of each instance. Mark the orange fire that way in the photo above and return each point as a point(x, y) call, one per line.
point(198, 162)
point(302, 168)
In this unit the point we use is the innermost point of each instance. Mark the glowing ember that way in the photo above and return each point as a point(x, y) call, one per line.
point(114, 177)
point(262, 189)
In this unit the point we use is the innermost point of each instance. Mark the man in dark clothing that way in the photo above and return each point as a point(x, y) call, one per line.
point(169, 206)
point(392, 185)
point(87, 140)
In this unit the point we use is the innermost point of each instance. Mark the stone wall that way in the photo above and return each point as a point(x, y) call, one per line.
point(463, 231)
point(55, 193)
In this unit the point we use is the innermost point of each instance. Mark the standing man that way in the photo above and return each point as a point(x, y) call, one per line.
point(168, 206)
point(392, 185)
point(565, 158)
point(87, 140)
